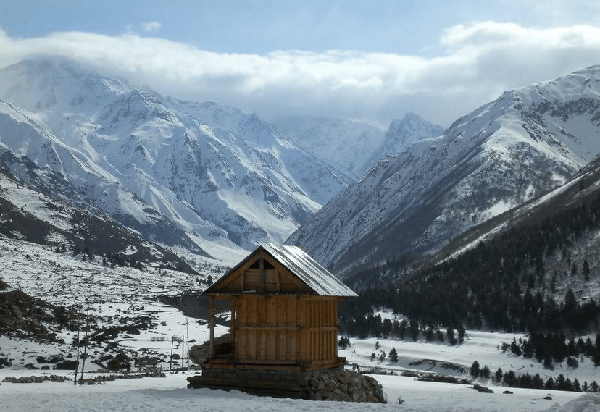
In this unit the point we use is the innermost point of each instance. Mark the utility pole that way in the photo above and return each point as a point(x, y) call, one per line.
point(87, 324)
point(187, 340)
point(78, 343)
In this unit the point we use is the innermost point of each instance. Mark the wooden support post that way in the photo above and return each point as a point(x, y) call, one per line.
point(233, 322)
point(212, 327)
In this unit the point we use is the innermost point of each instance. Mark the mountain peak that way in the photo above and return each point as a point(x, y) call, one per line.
point(58, 84)
point(402, 134)
point(412, 124)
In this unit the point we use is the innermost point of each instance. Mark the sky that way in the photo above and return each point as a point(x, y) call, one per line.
point(368, 61)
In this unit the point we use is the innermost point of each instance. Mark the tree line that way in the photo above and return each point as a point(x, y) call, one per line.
point(501, 284)
point(555, 347)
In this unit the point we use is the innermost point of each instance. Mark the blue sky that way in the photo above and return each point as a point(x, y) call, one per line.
point(370, 61)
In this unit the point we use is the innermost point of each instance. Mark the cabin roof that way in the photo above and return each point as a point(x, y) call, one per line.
point(300, 264)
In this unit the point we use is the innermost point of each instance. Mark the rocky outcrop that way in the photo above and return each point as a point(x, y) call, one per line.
point(343, 385)
point(35, 379)
point(200, 353)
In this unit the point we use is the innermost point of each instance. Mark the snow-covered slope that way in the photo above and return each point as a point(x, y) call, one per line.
point(27, 214)
point(125, 319)
point(511, 150)
point(226, 179)
point(38, 158)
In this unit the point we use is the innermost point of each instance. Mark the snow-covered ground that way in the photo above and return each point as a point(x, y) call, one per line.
point(481, 346)
point(170, 393)
point(112, 294)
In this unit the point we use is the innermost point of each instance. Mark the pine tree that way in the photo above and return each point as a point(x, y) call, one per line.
point(475, 370)
point(344, 342)
point(450, 334)
point(548, 364)
point(499, 375)
point(461, 334)
point(586, 270)
point(393, 355)
point(515, 348)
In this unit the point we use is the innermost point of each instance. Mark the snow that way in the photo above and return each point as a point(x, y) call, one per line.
point(481, 346)
point(170, 393)
point(310, 271)
point(345, 144)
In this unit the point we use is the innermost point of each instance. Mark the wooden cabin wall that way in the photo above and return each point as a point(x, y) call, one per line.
point(285, 328)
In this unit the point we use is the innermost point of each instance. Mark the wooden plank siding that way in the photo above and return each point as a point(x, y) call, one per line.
point(284, 328)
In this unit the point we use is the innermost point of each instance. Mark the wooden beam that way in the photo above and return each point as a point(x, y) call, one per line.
point(261, 274)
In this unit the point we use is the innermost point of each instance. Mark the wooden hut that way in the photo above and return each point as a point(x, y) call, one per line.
point(283, 308)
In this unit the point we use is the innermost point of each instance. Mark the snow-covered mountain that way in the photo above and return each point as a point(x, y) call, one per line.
point(354, 146)
point(561, 224)
point(343, 143)
point(402, 134)
point(222, 180)
point(511, 150)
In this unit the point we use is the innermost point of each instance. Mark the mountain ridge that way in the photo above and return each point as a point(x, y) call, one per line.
point(506, 152)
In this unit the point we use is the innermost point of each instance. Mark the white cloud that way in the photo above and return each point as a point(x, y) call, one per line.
point(151, 25)
point(479, 61)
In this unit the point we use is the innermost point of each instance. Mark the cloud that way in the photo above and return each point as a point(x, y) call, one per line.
point(151, 25)
point(477, 63)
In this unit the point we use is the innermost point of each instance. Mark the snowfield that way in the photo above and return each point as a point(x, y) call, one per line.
point(115, 294)
point(171, 394)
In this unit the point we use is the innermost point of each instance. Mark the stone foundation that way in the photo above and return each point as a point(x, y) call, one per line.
point(332, 384)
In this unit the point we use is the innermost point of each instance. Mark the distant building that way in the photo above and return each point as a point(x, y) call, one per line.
point(283, 323)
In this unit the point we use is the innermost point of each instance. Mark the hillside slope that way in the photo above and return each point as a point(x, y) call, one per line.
point(28, 215)
point(503, 154)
